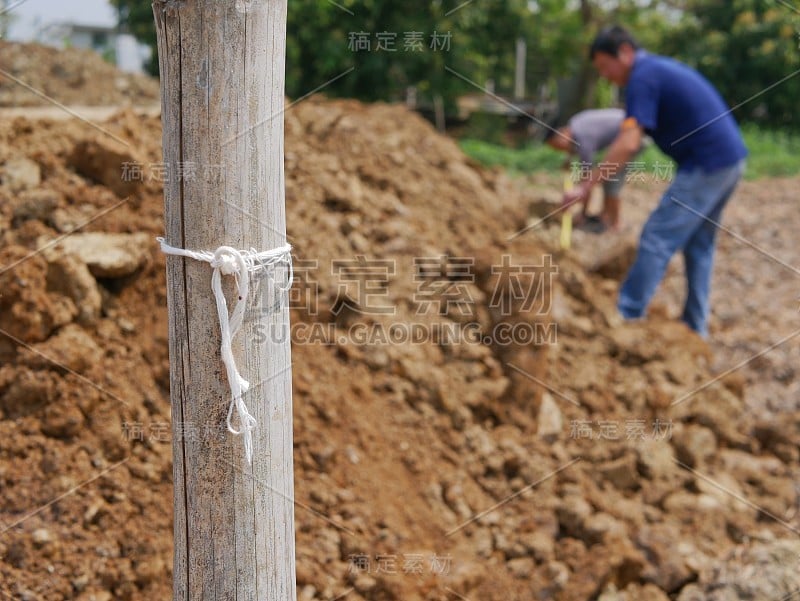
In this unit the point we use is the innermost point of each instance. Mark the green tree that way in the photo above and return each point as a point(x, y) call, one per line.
point(392, 45)
point(376, 49)
point(561, 39)
point(749, 50)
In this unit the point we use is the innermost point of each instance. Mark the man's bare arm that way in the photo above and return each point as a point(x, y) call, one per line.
point(622, 150)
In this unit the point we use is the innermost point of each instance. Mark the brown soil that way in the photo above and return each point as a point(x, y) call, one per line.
point(609, 462)
point(71, 76)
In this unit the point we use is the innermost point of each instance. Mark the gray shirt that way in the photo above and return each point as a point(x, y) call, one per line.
point(594, 130)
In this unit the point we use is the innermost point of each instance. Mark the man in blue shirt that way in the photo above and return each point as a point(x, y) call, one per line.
point(689, 121)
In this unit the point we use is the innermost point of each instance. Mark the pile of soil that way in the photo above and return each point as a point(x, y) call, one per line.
point(71, 76)
point(526, 446)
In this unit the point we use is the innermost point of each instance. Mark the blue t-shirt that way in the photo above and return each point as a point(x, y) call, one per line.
point(683, 113)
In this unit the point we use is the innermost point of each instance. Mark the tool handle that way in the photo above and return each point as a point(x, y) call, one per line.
point(566, 218)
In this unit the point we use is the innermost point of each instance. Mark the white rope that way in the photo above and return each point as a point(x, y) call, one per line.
point(240, 264)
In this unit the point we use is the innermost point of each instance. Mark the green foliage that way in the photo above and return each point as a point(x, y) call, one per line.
point(745, 47)
point(742, 46)
point(387, 45)
point(540, 157)
point(487, 127)
point(109, 55)
point(772, 154)
point(479, 44)
point(393, 45)
point(405, 44)
point(535, 157)
point(321, 36)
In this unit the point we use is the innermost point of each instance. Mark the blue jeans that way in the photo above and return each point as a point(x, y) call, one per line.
point(686, 219)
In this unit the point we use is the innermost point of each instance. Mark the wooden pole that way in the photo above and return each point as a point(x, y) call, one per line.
point(222, 88)
point(438, 112)
point(519, 69)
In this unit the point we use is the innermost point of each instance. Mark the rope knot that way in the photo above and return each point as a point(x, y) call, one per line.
point(228, 260)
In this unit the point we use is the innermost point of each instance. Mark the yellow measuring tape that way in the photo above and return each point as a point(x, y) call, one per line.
point(566, 218)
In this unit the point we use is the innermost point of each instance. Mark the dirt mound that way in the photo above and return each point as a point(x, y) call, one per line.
point(71, 76)
point(471, 420)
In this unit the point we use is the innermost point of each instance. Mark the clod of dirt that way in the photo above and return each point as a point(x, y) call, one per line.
point(20, 174)
point(70, 349)
point(110, 163)
point(766, 570)
point(613, 260)
point(38, 203)
point(107, 255)
point(27, 312)
point(68, 275)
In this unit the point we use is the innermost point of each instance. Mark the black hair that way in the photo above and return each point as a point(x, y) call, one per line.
point(549, 133)
point(551, 129)
point(610, 39)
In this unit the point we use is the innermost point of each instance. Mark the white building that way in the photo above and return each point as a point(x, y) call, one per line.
point(119, 48)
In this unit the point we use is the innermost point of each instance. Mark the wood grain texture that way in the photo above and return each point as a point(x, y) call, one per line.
point(222, 86)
